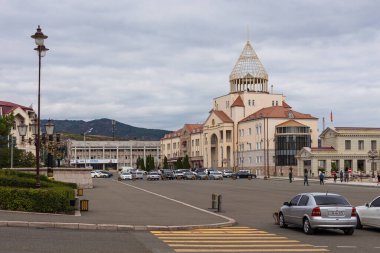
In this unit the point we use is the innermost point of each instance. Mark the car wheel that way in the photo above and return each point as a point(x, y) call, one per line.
point(348, 231)
point(359, 223)
point(281, 220)
point(307, 227)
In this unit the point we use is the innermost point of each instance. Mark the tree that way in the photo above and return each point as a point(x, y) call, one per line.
point(140, 163)
point(166, 165)
point(178, 164)
point(149, 163)
point(185, 162)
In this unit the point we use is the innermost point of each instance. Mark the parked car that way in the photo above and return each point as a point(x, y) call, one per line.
point(125, 176)
point(137, 174)
point(202, 176)
point(215, 175)
point(95, 174)
point(243, 174)
point(227, 173)
point(167, 174)
point(369, 214)
point(108, 174)
point(153, 175)
point(102, 173)
point(317, 210)
point(188, 175)
point(178, 174)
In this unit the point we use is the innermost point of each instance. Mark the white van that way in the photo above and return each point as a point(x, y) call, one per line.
point(126, 169)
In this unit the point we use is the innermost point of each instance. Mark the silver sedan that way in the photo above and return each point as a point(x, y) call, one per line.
point(318, 210)
point(369, 214)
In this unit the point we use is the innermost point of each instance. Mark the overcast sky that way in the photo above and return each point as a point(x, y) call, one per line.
point(159, 64)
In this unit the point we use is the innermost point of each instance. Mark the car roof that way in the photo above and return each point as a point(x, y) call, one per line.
point(320, 193)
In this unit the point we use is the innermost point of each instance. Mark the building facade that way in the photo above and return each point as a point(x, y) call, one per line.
point(185, 141)
point(347, 148)
point(23, 115)
point(111, 154)
point(251, 127)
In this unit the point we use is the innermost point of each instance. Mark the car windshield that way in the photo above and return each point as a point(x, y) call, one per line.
point(331, 200)
point(126, 173)
point(153, 173)
point(201, 173)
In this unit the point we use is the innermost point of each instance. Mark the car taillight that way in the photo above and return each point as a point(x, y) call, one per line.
point(353, 212)
point(316, 211)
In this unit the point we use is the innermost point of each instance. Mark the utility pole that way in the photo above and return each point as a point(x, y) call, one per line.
point(113, 129)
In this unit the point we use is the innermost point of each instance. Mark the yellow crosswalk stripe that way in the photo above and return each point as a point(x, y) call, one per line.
point(234, 239)
point(229, 241)
point(240, 246)
point(251, 250)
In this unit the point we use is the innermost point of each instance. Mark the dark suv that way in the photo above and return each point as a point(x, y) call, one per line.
point(167, 174)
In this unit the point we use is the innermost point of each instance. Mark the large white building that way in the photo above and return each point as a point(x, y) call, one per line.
point(251, 127)
point(111, 154)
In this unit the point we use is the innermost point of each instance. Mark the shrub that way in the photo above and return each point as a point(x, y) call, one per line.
point(50, 200)
point(27, 180)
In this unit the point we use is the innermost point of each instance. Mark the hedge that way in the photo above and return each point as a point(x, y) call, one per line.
point(50, 200)
point(21, 179)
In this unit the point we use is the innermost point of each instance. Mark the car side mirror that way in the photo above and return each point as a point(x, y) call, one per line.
point(366, 204)
point(286, 203)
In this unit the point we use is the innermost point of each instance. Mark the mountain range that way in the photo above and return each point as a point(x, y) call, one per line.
point(104, 127)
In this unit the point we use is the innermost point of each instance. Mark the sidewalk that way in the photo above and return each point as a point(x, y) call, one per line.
point(115, 205)
point(331, 181)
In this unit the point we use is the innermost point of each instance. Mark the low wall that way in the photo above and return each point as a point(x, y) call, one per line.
point(80, 176)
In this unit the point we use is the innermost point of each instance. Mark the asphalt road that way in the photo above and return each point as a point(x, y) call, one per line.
point(250, 202)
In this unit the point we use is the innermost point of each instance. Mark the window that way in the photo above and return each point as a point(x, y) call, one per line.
point(294, 200)
point(253, 102)
point(303, 201)
point(373, 145)
point(347, 144)
point(276, 103)
point(376, 203)
point(250, 160)
point(249, 102)
point(361, 145)
point(272, 103)
point(250, 131)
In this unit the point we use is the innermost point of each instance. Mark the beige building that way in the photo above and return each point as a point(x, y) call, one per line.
point(23, 115)
point(354, 148)
point(111, 154)
point(185, 141)
point(243, 126)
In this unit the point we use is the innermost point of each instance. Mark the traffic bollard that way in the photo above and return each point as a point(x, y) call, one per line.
point(213, 201)
point(219, 203)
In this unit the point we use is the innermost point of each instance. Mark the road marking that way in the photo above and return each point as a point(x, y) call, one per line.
point(229, 241)
point(240, 239)
point(250, 250)
point(240, 246)
point(346, 246)
point(230, 220)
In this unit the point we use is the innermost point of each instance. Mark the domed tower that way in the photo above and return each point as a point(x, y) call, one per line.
point(249, 73)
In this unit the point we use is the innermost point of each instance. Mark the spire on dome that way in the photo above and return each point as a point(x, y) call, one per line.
point(248, 73)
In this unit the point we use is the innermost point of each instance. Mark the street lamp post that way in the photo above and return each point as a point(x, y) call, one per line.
point(39, 38)
point(84, 141)
point(373, 154)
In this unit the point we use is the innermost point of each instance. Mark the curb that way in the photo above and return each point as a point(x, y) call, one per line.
point(112, 227)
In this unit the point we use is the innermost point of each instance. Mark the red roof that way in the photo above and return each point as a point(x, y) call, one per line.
point(277, 112)
point(238, 102)
point(8, 107)
point(223, 117)
point(284, 104)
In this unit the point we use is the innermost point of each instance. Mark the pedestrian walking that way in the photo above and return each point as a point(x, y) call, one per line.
point(341, 175)
point(378, 178)
point(290, 175)
point(321, 178)
point(335, 177)
point(305, 180)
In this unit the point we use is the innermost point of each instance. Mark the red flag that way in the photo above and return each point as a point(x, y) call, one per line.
point(331, 117)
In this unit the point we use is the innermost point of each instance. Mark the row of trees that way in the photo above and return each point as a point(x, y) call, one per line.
point(148, 165)
point(179, 164)
point(20, 157)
